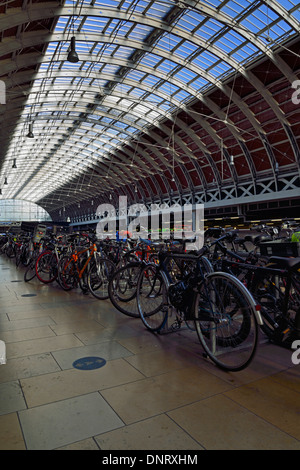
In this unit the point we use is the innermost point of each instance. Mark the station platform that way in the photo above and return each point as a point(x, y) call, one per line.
point(148, 392)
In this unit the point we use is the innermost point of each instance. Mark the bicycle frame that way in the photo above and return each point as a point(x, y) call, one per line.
point(200, 277)
point(75, 257)
point(255, 274)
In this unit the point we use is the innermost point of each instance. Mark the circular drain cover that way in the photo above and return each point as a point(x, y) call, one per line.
point(89, 363)
point(28, 295)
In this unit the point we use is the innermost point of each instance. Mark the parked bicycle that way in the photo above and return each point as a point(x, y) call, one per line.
point(85, 267)
point(224, 313)
point(123, 282)
point(275, 284)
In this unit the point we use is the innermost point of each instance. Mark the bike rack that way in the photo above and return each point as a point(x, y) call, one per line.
point(170, 325)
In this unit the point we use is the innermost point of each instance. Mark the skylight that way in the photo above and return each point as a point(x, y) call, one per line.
point(135, 65)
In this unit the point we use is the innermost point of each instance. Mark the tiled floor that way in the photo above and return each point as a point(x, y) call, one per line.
point(153, 393)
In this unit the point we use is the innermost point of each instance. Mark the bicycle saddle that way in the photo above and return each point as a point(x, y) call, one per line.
point(249, 238)
point(262, 238)
point(214, 232)
point(284, 263)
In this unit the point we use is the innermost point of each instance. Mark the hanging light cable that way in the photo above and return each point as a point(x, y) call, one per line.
point(72, 55)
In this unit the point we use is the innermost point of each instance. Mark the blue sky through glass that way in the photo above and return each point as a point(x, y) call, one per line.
point(136, 64)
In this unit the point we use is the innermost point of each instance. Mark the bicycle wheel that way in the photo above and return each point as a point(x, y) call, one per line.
point(225, 321)
point(122, 289)
point(100, 273)
point(269, 292)
point(10, 252)
point(26, 256)
point(18, 257)
point(46, 267)
point(152, 298)
point(30, 272)
point(67, 273)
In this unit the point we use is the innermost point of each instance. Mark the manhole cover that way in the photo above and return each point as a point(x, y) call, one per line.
point(89, 363)
point(28, 295)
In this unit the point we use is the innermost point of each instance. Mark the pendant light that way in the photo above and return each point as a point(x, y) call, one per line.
point(30, 133)
point(72, 55)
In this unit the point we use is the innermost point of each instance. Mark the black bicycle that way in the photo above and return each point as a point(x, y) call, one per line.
point(275, 285)
point(224, 313)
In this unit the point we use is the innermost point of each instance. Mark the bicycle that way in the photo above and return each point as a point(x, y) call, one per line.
point(84, 268)
point(275, 285)
point(23, 253)
point(123, 283)
point(224, 313)
point(35, 250)
point(42, 260)
point(47, 262)
point(9, 246)
point(100, 273)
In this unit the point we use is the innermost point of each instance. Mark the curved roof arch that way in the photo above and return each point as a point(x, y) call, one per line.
point(168, 97)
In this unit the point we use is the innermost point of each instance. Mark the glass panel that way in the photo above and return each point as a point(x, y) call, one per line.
point(128, 72)
point(22, 211)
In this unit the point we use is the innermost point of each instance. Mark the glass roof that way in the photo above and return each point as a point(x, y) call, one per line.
point(140, 61)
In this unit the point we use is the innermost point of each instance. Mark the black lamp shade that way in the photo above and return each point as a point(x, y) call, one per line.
point(72, 56)
point(30, 133)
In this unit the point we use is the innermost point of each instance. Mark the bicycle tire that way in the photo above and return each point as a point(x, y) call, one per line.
point(26, 257)
point(99, 276)
point(66, 273)
point(271, 299)
point(225, 321)
point(46, 267)
point(122, 289)
point(10, 252)
point(152, 298)
point(30, 272)
point(18, 258)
